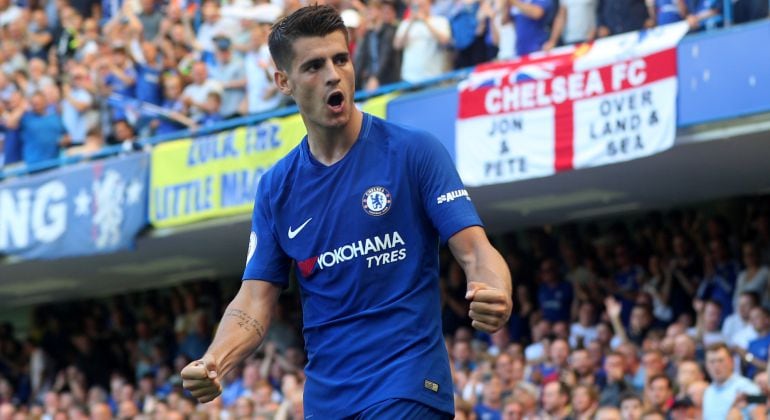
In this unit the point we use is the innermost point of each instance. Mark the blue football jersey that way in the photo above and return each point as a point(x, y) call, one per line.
point(364, 235)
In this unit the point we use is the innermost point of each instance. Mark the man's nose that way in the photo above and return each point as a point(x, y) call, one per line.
point(333, 76)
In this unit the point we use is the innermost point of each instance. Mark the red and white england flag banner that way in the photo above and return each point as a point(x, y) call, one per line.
point(577, 107)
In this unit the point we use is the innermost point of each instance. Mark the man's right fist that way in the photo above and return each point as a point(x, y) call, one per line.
point(200, 378)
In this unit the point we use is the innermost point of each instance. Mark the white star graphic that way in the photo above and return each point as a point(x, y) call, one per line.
point(82, 203)
point(134, 192)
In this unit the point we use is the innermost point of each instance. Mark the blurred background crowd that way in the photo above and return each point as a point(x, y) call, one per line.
point(77, 75)
point(660, 316)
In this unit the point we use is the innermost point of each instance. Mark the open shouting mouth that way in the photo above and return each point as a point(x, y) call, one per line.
point(335, 101)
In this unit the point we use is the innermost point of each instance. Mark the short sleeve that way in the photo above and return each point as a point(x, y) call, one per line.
point(265, 259)
point(444, 197)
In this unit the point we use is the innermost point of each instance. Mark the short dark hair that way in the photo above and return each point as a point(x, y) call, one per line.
point(754, 296)
point(564, 389)
point(717, 347)
point(712, 302)
point(630, 396)
point(310, 21)
point(654, 378)
point(765, 311)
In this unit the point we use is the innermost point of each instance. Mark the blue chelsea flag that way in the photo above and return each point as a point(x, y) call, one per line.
point(84, 209)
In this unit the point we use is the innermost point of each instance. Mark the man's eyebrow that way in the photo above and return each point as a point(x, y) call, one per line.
point(310, 62)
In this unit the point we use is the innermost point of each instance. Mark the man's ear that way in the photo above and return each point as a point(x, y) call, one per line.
point(282, 82)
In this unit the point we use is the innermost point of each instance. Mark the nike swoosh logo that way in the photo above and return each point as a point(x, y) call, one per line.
point(293, 233)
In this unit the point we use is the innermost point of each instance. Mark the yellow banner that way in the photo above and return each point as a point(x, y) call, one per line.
point(217, 175)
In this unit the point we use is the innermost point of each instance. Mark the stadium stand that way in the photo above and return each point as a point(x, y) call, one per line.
point(603, 309)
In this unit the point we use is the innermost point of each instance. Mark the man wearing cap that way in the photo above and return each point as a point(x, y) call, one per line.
point(229, 71)
point(213, 25)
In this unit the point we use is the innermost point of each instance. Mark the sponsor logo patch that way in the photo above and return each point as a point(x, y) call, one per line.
point(452, 196)
point(377, 250)
point(430, 385)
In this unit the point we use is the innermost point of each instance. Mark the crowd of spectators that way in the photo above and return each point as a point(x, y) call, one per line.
point(660, 316)
point(79, 74)
point(122, 358)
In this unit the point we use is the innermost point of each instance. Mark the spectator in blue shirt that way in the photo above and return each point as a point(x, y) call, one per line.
point(148, 72)
point(41, 132)
point(715, 287)
point(756, 356)
point(120, 78)
point(704, 14)
point(16, 105)
point(725, 265)
point(242, 386)
point(554, 294)
point(491, 405)
point(669, 11)
point(175, 118)
point(149, 67)
point(211, 110)
point(531, 22)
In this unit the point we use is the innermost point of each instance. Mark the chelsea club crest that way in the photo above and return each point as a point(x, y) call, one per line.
point(376, 201)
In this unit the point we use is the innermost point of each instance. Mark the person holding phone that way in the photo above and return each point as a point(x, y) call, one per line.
point(424, 39)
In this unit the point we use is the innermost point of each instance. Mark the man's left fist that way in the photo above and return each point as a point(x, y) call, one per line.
point(490, 307)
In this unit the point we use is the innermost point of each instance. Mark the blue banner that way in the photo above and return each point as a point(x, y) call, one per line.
point(85, 209)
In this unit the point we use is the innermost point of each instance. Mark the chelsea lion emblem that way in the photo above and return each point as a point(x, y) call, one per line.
point(376, 201)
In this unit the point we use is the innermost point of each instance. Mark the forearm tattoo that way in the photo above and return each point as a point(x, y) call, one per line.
point(246, 322)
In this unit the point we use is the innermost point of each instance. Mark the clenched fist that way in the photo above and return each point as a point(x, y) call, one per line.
point(490, 307)
point(200, 378)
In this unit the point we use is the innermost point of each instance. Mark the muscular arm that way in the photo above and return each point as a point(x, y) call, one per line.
point(244, 324)
point(241, 329)
point(489, 280)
